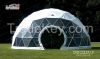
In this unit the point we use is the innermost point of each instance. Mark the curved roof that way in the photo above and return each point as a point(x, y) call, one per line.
point(48, 13)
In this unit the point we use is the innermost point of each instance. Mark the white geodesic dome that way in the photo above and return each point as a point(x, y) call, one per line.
point(26, 37)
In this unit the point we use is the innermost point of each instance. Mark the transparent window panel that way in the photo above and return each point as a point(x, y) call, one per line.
point(34, 43)
point(68, 41)
point(72, 43)
point(26, 41)
point(18, 42)
point(85, 39)
point(77, 41)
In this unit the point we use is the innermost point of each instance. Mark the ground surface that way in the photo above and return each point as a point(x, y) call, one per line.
point(7, 53)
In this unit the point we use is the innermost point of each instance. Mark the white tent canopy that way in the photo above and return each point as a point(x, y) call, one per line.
point(25, 39)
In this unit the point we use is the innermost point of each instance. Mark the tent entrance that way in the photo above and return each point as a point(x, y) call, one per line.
point(52, 38)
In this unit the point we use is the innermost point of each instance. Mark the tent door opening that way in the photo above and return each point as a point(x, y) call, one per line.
point(52, 38)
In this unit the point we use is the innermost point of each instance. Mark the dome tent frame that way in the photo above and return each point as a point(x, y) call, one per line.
point(42, 15)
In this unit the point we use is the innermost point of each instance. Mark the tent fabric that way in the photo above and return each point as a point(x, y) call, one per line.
point(26, 37)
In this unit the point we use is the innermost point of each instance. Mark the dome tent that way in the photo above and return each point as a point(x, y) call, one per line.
point(51, 28)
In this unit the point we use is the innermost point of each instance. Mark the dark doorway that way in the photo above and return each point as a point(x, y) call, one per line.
point(52, 39)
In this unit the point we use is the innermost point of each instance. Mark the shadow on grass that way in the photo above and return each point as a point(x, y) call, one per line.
point(96, 48)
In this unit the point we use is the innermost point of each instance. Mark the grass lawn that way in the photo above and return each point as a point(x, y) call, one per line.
point(7, 53)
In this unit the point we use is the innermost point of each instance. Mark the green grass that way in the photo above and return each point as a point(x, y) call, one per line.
point(7, 53)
